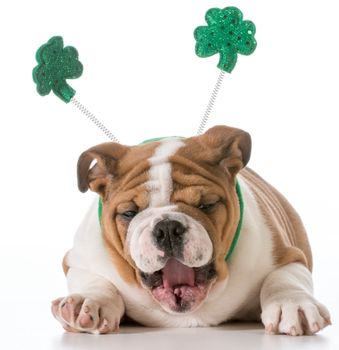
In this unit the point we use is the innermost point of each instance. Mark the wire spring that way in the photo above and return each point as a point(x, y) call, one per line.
point(211, 102)
point(94, 119)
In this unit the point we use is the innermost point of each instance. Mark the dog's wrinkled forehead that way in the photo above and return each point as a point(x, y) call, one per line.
point(152, 164)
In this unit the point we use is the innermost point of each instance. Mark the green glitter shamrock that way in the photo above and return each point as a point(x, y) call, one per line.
point(227, 34)
point(55, 65)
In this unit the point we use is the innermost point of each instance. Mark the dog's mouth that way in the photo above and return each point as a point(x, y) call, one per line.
point(180, 288)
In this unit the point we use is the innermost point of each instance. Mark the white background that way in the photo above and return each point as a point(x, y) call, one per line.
point(142, 78)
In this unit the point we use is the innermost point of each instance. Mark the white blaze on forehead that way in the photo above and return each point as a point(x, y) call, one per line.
point(160, 182)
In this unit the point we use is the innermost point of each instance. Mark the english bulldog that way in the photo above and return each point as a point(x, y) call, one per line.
point(186, 236)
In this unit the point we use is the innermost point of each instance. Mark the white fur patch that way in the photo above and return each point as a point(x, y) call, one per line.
point(139, 239)
point(198, 247)
point(160, 181)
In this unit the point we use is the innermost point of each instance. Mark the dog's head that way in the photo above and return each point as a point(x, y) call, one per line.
point(170, 210)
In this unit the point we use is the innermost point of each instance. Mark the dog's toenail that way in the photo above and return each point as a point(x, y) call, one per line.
point(269, 328)
point(316, 327)
point(328, 321)
point(293, 331)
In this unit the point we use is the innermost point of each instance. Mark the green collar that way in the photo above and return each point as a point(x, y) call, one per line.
point(241, 218)
point(241, 206)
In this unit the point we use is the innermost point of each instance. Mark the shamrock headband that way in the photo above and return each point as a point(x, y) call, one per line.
point(226, 34)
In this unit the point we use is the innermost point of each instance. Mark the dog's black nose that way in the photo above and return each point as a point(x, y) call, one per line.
point(168, 236)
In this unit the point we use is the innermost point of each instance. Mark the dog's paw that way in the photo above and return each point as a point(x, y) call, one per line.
point(77, 313)
point(303, 316)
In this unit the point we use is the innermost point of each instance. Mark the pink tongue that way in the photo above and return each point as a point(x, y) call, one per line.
point(175, 273)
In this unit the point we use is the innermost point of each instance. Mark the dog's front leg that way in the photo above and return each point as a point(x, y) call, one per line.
point(93, 305)
point(288, 305)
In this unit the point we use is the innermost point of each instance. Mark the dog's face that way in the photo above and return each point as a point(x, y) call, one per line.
point(170, 210)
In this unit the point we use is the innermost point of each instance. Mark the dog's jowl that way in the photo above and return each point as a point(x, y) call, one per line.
point(187, 236)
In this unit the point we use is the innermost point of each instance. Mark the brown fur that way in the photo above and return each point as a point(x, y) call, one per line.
point(65, 266)
point(289, 236)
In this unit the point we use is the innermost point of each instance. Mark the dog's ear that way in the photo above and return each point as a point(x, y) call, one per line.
point(97, 176)
point(231, 147)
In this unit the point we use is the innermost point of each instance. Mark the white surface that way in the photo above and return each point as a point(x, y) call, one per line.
point(143, 80)
point(232, 336)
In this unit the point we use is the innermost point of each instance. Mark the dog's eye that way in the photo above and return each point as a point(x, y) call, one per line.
point(129, 215)
point(207, 207)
